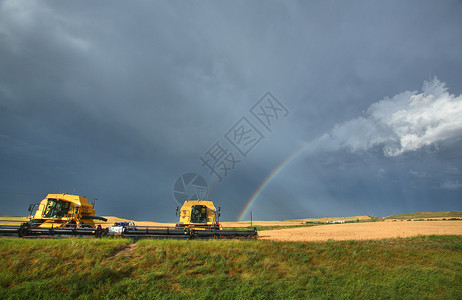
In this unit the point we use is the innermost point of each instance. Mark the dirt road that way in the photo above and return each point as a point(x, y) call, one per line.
point(363, 231)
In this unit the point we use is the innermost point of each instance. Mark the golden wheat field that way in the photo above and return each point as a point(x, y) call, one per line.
point(364, 231)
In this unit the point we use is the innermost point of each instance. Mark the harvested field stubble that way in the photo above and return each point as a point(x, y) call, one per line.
point(364, 231)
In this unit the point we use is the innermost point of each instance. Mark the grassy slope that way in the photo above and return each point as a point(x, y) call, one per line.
point(424, 215)
point(422, 267)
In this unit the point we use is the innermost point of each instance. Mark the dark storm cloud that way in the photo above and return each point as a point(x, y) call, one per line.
point(115, 100)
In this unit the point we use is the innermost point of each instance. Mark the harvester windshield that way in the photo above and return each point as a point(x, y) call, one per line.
point(56, 208)
point(199, 214)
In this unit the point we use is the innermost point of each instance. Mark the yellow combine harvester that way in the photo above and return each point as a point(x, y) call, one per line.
point(57, 215)
point(63, 210)
point(198, 220)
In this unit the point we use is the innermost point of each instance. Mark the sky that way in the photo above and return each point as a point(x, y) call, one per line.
point(288, 109)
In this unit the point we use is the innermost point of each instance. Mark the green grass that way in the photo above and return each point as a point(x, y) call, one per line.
point(424, 215)
point(421, 267)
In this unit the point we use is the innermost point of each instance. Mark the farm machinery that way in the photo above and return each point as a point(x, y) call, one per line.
point(63, 215)
point(198, 219)
point(58, 214)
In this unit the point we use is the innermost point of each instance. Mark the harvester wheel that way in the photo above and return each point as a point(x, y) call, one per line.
point(99, 231)
point(105, 232)
point(23, 229)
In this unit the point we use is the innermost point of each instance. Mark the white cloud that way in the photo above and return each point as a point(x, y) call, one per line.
point(20, 19)
point(452, 171)
point(451, 185)
point(381, 172)
point(407, 122)
point(418, 174)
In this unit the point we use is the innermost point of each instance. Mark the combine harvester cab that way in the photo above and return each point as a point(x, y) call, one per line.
point(58, 214)
point(200, 215)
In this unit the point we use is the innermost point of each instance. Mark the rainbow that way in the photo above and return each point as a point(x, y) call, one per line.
point(268, 179)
